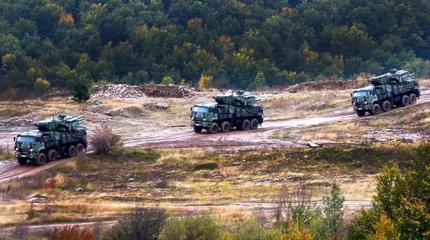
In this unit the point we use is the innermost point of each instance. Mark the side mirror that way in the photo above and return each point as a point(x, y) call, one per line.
point(14, 139)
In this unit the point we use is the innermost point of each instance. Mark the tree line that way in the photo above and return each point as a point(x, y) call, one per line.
point(243, 44)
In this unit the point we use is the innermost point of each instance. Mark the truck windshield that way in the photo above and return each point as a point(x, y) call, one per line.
point(360, 94)
point(25, 139)
point(201, 109)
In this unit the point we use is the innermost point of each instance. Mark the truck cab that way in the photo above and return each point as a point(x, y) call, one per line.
point(363, 99)
point(202, 116)
point(28, 146)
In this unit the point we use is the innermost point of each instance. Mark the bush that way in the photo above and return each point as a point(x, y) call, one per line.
point(81, 91)
point(250, 230)
point(141, 224)
point(104, 140)
point(72, 233)
point(42, 85)
point(205, 81)
point(204, 166)
point(167, 80)
point(190, 228)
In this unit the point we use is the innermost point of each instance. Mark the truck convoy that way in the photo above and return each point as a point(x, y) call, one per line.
point(57, 137)
point(394, 89)
point(238, 111)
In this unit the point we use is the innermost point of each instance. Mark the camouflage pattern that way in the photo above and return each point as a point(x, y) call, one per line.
point(394, 89)
point(238, 111)
point(57, 137)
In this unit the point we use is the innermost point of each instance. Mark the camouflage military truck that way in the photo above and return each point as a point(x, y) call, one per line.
point(238, 111)
point(58, 137)
point(394, 89)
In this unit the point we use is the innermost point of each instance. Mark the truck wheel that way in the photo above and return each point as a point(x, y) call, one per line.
point(386, 106)
point(80, 148)
point(52, 155)
point(72, 151)
point(225, 127)
point(361, 113)
point(254, 124)
point(41, 159)
point(198, 129)
point(376, 109)
point(412, 98)
point(246, 125)
point(405, 100)
point(22, 161)
point(214, 128)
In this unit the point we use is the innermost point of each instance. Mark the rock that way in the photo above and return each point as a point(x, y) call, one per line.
point(79, 190)
point(36, 198)
point(157, 105)
point(313, 145)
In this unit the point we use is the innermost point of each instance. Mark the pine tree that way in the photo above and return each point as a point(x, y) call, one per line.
point(333, 211)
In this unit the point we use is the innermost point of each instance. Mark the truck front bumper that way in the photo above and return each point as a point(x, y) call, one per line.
point(26, 155)
point(200, 124)
point(362, 107)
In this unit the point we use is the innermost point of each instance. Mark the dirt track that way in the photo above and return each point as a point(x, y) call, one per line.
point(184, 137)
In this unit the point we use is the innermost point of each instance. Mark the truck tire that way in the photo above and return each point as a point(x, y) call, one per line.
point(80, 148)
point(246, 125)
point(405, 100)
point(52, 155)
point(376, 109)
point(214, 128)
point(198, 129)
point(361, 113)
point(254, 124)
point(412, 98)
point(386, 106)
point(41, 159)
point(72, 151)
point(225, 127)
point(22, 161)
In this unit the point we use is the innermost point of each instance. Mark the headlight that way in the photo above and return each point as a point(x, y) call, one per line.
point(365, 102)
point(204, 119)
point(16, 149)
point(31, 150)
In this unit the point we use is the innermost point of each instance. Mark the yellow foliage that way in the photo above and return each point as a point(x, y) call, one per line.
point(310, 55)
point(8, 58)
point(66, 19)
point(42, 84)
point(384, 230)
point(295, 233)
point(205, 81)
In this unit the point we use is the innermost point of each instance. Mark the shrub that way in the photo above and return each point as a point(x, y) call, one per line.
point(204, 166)
point(384, 230)
point(250, 230)
point(104, 140)
point(141, 224)
point(167, 80)
point(81, 91)
point(42, 85)
point(190, 228)
point(72, 233)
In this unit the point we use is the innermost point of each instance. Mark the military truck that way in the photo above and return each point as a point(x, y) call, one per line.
point(56, 137)
point(238, 111)
point(394, 89)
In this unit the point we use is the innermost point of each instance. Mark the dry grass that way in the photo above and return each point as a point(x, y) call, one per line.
point(176, 180)
point(307, 103)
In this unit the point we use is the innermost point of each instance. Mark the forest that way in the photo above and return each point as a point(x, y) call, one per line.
point(47, 44)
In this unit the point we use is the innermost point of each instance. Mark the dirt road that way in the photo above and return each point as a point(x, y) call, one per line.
point(184, 137)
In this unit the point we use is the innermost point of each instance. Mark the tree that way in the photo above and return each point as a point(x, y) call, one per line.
point(384, 230)
point(81, 90)
point(333, 211)
point(42, 85)
point(205, 81)
point(259, 81)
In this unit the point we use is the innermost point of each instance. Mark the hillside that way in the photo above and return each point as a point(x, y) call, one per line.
point(45, 44)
